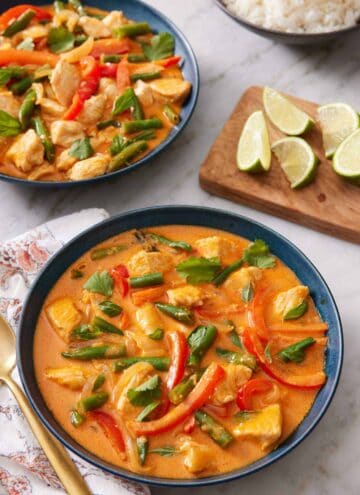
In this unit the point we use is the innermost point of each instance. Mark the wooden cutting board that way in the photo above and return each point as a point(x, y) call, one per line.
point(329, 204)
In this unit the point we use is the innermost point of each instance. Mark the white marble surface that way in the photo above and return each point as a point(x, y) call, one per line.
point(231, 59)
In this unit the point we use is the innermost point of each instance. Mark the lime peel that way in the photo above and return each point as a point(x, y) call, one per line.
point(254, 152)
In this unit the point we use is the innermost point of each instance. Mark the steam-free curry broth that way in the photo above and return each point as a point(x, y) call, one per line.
point(239, 358)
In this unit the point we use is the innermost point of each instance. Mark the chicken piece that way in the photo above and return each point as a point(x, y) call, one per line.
point(114, 20)
point(65, 80)
point(108, 88)
point(42, 171)
point(168, 90)
point(94, 27)
point(148, 318)
point(243, 277)
point(35, 32)
point(9, 104)
point(290, 299)
point(103, 137)
point(52, 108)
point(189, 295)
point(93, 110)
point(148, 347)
point(72, 377)
point(92, 167)
point(27, 151)
point(143, 263)
point(64, 161)
point(147, 67)
point(68, 17)
point(63, 316)
point(264, 425)
point(198, 457)
point(5, 43)
point(144, 93)
point(236, 375)
point(65, 132)
point(214, 247)
point(39, 90)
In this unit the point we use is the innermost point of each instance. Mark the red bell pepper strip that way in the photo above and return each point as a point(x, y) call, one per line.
point(189, 425)
point(120, 275)
point(109, 70)
point(179, 355)
point(169, 62)
point(246, 392)
point(123, 76)
point(110, 428)
point(88, 86)
point(25, 57)
point(196, 399)
point(14, 12)
point(256, 318)
point(110, 47)
point(254, 345)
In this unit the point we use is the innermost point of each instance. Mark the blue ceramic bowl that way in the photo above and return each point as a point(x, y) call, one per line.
point(139, 11)
point(186, 215)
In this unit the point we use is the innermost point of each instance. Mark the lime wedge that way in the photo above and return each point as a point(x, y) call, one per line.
point(254, 152)
point(346, 160)
point(337, 122)
point(286, 116)
point(297, 160)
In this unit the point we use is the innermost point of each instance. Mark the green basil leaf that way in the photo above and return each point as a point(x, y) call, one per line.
point(235, 339)
point(258, 254)
point(161, 46)
point(27, 44)
point(242, 416)
point(109, 308)
point(199, 270)
point(157, 334)
point(100, 283)
point(247, 293)
point(147, 410)
point(60, 40)
point(267, 353)
point(81, 149)
point(166, 451)
point(85, 332)
point(145, 393)
point(9, 126)
point(298, 312)
point(128, 101)
point(296, 352)
point(14, 72)
point(237, 357)
point(75, 273)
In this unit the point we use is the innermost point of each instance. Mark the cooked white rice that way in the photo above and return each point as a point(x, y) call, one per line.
point(298, 16)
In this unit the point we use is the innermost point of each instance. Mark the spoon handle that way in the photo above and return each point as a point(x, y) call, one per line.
point(60, 460)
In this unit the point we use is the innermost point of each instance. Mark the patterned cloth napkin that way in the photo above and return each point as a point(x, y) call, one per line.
point(24, 469)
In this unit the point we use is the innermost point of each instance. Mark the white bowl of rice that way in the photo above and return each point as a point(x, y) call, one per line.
point(296, 21)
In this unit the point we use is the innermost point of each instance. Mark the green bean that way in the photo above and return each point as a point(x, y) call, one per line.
point(44, 136)
point(110, 309)
point(105, 327)
point(108, 123)
point(145, 76)
point(213, 428)
point(142, 447)
point(113, 59)
point(200, 340)
point(178, 313)
point(85, 332)
point(182, 390)
point(168, 242)
point(58, 6)
point(96, 352)
point(75, 274)
point(232, 357)
point(19, 87)
point(147, 280)
point(99, 382)
point(92, 402)
point(76, 418)
point(136, 58)
point(127, 154)
point(159, 363)
point(142, 125)
point(98, 254)
point(170, 113)
point(132, 30)
point(27, 109)
point(19, 24)
point(78, 6)
point(157, 334)
point(220, 279)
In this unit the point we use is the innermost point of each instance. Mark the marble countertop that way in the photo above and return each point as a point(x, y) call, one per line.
point(231, 59)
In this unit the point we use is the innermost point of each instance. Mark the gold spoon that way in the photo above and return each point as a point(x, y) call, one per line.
point(64, 467)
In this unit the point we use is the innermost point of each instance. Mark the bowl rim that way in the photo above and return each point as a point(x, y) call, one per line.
point(305, 37)
point(263, 462)
point(147, 159)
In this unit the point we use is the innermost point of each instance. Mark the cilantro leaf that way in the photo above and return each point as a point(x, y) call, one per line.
point(295, 313)
point(101, 283)
point(81, 149)
point(199, 270)
point(146, 393)
point(258, 254)
point(296, 352)
point(161, 46)
point(128, 101)
point(9, 126)
point(60, 40)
